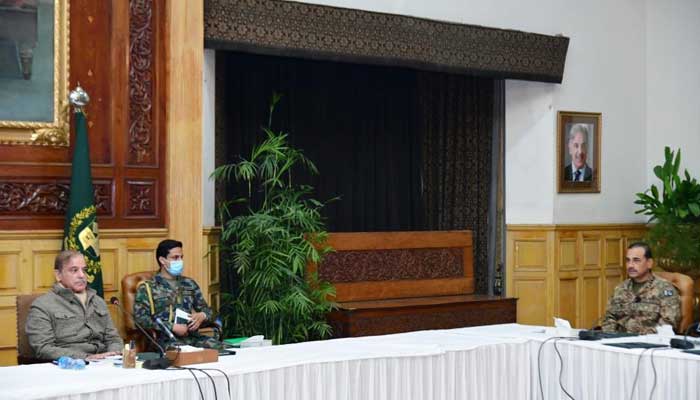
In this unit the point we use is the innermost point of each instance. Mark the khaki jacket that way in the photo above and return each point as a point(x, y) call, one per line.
point(58, 325)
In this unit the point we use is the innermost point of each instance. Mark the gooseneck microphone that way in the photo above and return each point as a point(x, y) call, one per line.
point(684, 343)
point(165, 328)
point(162, 362)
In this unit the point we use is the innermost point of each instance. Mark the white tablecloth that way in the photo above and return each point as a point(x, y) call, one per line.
point(492, 362)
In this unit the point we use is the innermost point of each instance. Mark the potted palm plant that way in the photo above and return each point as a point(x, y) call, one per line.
point(269, 246)
point(674, 217)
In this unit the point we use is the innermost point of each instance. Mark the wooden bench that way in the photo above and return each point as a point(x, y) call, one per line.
point(390, 282)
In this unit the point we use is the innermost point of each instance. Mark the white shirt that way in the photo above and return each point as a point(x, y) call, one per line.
point(573, 173)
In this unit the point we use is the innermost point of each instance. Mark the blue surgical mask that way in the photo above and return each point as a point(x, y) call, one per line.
point(175, 268)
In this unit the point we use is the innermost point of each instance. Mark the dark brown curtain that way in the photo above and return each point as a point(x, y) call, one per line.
point(403, 149)
point(456, 122)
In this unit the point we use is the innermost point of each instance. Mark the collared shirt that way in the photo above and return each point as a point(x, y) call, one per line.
point(581, 175)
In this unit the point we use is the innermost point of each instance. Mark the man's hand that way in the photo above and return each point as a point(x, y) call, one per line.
point(196, 320)
point(100, 356)
point(180, 329)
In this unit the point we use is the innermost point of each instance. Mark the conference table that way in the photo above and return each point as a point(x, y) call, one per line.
point(487, 362)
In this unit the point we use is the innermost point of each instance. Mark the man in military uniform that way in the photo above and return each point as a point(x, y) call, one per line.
point(644, 301)
point(166, 293)
point(71, 319)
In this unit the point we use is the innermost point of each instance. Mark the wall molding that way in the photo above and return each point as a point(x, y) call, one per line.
point(575, 227)
point(104, 233)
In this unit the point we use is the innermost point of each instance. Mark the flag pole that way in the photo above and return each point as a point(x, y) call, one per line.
point(80, 231)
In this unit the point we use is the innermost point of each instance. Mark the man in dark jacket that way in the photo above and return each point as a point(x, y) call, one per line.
point(71, 320)
point(578, 170)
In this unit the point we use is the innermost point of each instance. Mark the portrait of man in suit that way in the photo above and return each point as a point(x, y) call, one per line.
point(577, 144)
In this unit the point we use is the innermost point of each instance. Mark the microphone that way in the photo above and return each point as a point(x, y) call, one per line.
point(161, 363)
point(684, 343)
point(165, 329)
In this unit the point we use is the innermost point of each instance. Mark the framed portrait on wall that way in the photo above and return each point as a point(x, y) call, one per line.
point(34, 72)
point(578, 152)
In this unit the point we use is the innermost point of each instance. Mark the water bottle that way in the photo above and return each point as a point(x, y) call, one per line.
point(65, 362)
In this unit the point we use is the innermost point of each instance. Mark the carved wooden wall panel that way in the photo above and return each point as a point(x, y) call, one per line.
point(141, 83)
point(116, 52)
point(48, 198)
point(141, 198)
point(394, 264)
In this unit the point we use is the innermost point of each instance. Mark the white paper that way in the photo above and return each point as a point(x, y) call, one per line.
point(257, 338)
point(253, 341)
point(189, 349)
point(665, 330)
point(562, 327)
point(561, 323)
point(181, 314)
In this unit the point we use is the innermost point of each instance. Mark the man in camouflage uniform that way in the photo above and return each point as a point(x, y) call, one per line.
point(644, 301)
point(168, 291)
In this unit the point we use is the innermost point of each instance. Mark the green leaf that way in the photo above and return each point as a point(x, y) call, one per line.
point(694, 208)
point(655, 192)
point(659, 172)
point(267, 248)
point(677, 162)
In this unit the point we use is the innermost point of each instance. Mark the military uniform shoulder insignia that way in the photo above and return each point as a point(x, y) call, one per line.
point(668, 292)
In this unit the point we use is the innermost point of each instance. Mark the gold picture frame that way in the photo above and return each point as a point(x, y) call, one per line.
point(578, 151)
point(54, 131)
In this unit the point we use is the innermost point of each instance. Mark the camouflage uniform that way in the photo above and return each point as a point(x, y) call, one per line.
point(656, 303)
point(166, 297)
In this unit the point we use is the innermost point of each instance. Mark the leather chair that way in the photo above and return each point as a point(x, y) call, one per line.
point(129, 285)
point(685, 286)
point(25, 354)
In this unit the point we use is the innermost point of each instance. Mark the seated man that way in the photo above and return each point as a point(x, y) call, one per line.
point(642, 302)
point(168, 292)
point(71, 320)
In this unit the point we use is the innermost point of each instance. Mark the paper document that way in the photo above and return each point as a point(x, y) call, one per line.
point(181, 317)
point(189, 349)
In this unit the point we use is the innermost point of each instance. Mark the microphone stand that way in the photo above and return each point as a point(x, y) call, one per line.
point(160, 363)
point(165, 329)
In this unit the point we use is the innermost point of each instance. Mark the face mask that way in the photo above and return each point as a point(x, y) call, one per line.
point(175, 268)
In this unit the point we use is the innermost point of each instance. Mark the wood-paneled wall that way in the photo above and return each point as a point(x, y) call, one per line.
point(566, 271)
point(117, 50)
point(26, 266)
point(141, 63)
point(211, 267)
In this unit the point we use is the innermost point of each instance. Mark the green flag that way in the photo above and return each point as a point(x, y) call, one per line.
point(80, 232)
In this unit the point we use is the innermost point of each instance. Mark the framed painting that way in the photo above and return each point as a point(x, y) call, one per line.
point(578, 152)
point(34, 72)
